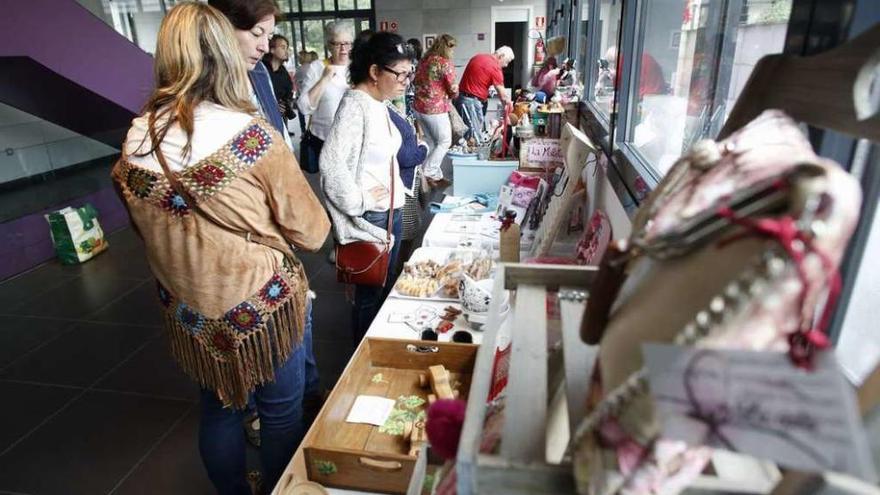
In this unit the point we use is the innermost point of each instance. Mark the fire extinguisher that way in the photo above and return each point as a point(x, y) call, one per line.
point(539, 50)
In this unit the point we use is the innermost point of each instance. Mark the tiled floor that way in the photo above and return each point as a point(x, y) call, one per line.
point(92, 402)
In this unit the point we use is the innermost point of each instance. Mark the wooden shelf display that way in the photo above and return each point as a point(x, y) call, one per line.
point(520, 466)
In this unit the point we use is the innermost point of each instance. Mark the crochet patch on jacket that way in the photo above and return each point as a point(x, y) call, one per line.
point(237, 352)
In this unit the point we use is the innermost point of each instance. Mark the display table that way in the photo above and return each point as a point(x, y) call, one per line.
point(449, 231)
point(388, 322)
point(381, 327)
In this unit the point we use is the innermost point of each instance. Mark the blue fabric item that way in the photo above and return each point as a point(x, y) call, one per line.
point(279, 404)
point(367, 298)
point(411, 154)
point(262, 84)
point(488, 200)
point(312, 378)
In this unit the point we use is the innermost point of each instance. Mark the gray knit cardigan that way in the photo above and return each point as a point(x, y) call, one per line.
point(342, 168)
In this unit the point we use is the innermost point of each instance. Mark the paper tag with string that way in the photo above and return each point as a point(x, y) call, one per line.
point(758, 403)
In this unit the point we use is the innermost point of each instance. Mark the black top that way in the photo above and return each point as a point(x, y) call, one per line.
point(283, 87)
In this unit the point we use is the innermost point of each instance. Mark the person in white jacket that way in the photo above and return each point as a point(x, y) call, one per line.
point(299, 80)
point(324, 84)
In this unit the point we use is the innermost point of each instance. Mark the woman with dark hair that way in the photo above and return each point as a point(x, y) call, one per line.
point(358, 171)
point(282, 84)
point(415, 47)
point(254, 22)
point(220, 204)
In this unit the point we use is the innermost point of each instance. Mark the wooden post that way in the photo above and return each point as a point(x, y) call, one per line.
point(509, 244)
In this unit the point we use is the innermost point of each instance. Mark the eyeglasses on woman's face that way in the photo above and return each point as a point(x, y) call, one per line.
point(402, 76)
point(340, 44)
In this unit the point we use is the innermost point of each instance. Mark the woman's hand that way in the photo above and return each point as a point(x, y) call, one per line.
point(454, 89)
point(379, 193)
point(328, 73)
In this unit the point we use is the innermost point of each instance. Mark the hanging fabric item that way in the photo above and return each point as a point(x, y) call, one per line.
point(743, 238)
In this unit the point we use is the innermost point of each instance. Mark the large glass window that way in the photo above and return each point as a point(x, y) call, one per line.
point(689, 68)
point(312, 6)
point(607, 68)
point(288, 5)
point(308, 18)
point(313, 36)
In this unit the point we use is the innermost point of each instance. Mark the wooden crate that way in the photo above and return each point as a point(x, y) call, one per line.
point(358, 456)
point(521, 465)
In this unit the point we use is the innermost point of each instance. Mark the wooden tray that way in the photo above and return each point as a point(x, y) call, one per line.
point(358, 456)
point(440, 255)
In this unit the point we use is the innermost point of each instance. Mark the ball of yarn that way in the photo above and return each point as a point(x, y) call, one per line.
point(445, 420)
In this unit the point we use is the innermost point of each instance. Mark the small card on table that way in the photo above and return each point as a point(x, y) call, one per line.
point(370, 409)
point(760, 404)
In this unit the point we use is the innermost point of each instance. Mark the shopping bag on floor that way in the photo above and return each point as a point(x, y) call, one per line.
point(76, 234)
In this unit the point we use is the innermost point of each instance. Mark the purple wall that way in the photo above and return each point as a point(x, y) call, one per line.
point(65, 37)
point(26, 243)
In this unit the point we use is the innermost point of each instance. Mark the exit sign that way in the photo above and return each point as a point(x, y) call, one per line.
point(388, 25)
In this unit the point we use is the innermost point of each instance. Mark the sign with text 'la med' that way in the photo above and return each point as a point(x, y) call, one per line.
point(543, 151)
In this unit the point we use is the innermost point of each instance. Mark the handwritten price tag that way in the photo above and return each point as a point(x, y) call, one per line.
point(544, 151)
point(759, 404)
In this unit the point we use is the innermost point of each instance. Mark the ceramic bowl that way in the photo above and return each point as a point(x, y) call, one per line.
point(477, 320)
point(477, 295)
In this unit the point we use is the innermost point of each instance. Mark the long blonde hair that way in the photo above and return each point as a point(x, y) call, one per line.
point(442, 46)
point(197, 60)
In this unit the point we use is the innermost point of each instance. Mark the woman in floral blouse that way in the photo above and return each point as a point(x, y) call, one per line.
point(435, 86)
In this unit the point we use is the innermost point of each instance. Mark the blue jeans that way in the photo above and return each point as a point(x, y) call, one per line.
point(473, 113)
point(279, 404)
point(312, 385)
point(313, 378)
point(367, 298)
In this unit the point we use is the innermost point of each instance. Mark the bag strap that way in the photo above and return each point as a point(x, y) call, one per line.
point(179, 189)
point(391, 204)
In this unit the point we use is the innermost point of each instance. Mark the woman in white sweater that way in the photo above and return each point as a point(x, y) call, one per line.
point(359, 174)
point(324, 84)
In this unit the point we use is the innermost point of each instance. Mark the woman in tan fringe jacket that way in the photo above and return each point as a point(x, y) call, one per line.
point(221, 204)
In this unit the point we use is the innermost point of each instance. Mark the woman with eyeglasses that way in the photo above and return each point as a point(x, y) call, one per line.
point(359, 173)
point(435, 87)
point(324, 84)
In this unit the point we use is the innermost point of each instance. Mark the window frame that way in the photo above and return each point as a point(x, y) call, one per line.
point(357, 14)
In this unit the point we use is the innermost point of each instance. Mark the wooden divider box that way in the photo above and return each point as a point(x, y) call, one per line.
point(360, 456)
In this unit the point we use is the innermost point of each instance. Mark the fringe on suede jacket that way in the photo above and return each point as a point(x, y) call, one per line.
point(234, 309)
